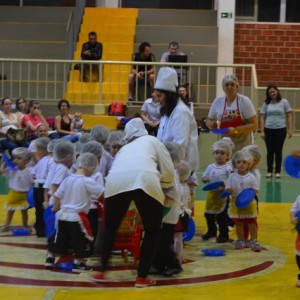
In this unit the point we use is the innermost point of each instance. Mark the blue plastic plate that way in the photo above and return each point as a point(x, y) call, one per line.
point(244, 198)
point(29, 197)
point(292, 166)
point(213, 252)
point(214, 185)
point(224, 194)
point(20, 231)
point(49, 219)
point(220, 131)
point(67, 266)
point(9, 162)
point(187, 236)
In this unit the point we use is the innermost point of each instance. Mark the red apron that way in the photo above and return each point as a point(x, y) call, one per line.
point(231, 118)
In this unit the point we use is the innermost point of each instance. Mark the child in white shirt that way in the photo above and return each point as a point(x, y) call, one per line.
point(63, 157)
point(216, 207)
point(77, 122)
point(183, 170)
point(19, 183)
point(238, 181)
point(72, 201)
point(39, 174)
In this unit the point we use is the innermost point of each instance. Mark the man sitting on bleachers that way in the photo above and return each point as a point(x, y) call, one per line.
point(141, 73)
point(91, 50)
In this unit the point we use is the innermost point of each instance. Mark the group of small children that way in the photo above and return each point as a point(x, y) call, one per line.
point(73, 191)
point(77, 196)
point(237, 172)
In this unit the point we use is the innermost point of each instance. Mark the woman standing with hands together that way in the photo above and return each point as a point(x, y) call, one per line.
point(276, 123)
point(235, 112)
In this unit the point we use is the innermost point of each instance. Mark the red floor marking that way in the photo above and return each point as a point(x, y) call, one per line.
point(224, 276)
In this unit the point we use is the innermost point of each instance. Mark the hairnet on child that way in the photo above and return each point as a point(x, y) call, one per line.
point(63, 151)
point(175, 150)
point(134, 128)
point(92, 147)
point(116, 138)
point(51, 144)
point(22, 152)
point(87, 161)
point(84, 137)
point(254, 151)
point(242, 155)
point(100, 134)
point(42, 143)
point(229, 141)
point(183, 170)
point(221, 146)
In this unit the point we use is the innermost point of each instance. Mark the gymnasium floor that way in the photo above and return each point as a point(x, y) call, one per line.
point(269, 274)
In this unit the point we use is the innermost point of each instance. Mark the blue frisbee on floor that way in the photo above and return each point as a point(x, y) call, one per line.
point(244, 198)
point(9, 163)
point(187, 236)
point(20, 231)
point(213, 252)
point(29, 197)
point(49, 219)
point(214, 185)
point(66, 266)
point(292, 166)
point(220, 131)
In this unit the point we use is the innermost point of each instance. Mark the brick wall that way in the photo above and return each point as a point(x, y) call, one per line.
point(273, 48)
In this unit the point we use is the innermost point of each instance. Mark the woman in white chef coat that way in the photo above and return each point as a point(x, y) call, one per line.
point(177, 124)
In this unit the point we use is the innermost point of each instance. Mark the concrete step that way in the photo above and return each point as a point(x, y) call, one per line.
point(181, 17)
point(181, 34)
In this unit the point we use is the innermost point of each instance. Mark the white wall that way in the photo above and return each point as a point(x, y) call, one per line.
point(107, 3)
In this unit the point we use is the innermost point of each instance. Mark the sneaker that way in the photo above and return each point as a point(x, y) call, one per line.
point(49, 263)
point(82, 267)
point(255, 246)
point(99, 277)
point(154, 271)
point(239, 245)
point(144, 282)
point(4, 228)
point(208, 236)
point(221, 239)
point(171, 271)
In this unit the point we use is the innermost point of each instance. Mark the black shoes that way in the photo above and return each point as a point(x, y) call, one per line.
point(208, 236)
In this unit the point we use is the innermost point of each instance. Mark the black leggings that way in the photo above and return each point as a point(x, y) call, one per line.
point(274, 139)
point(151, 212)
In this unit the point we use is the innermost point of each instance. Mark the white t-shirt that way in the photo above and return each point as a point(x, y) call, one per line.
point(215, 172)
point(75, 194)
point(40, 171)
point(241, 182)
point(145, 164)
point(19, 180)
point(296, 205)
point(98, 177)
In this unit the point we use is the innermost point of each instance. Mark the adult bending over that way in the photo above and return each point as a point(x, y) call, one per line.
point(140, 169)
point(177, 124)
point(234, 112)
point(275, 123)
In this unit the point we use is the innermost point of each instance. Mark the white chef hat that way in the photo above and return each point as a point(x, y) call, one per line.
point(166, 80)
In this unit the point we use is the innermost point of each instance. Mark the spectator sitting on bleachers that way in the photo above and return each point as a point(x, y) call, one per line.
point(91, 50)
point(173, 50)
point(141, 73)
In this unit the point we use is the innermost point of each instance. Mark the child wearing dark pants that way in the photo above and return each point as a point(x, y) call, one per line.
point(72, 202)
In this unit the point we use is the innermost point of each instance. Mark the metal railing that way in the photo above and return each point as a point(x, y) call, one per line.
point(51, 80)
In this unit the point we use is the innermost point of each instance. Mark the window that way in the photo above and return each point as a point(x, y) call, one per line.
point(292, 11)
